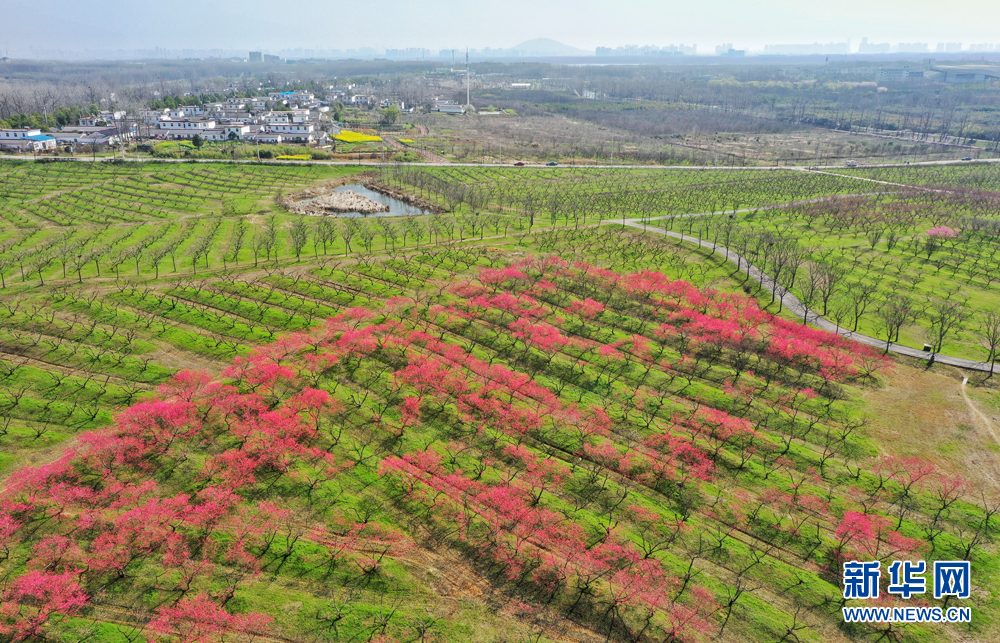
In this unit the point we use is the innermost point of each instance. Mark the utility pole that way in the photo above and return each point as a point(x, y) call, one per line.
point(467, 81)
point(501, 151)
point(612, 149)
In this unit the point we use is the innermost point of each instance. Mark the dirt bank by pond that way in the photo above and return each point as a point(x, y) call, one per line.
point(329, 199)
point(334, 202)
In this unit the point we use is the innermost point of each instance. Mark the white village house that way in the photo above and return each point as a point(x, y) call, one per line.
point(173, 129)
point(297, 132)
point(227, 132)
point(276, 118)
point(25, 140)
point(102, 118)
point(152, 116)
point(85, 135)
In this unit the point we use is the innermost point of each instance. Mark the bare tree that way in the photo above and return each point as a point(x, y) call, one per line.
point(989, 333)
point(896, 312)
point(810, 288)
point(861, 296)
point(829, 278)
point(300, 236)
point(946, 317)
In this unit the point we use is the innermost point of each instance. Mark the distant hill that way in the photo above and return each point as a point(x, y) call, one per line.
point(549, 47)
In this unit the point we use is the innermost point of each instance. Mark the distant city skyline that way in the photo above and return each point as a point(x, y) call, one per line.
point(324, 25)
point(457, 55)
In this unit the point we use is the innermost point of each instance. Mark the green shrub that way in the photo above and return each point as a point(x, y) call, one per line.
point(406, 157)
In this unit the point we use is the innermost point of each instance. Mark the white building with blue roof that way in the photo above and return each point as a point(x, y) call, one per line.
point(25, 140)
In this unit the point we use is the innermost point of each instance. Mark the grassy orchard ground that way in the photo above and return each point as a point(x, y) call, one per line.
point(137, 330)
point(301, 578)
point(573, 196)
point(878, 242)
point(974, 175)
point(205, 320)
point(433, 576)
point(80, 220)
point(69, 358)
point(75, 226)
point(72, 219)
point(877, 239)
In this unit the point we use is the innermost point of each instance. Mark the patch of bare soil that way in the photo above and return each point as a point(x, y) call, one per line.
point(450, 577)
point(321, 200)
point(927, 414)
point(36, 457)
point(318, 205)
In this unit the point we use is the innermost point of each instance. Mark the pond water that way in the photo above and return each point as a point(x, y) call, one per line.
point(396, 207)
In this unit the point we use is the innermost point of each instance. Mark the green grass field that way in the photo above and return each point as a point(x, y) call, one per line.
point(879, 251)
point(569, 196)
point(116, 277)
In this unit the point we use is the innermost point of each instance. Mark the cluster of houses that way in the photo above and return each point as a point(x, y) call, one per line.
point(103, 129)
point(279, 117)
point(25, 140)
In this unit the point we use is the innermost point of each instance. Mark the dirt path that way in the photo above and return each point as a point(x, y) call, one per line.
point(870, 180)
point(173, 357)
point(453, 579)
point(981, 420)
point(37, 458)
point(428, 155)
point(988, 471)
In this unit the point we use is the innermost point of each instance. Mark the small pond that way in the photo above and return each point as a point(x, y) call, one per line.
point(396, 207)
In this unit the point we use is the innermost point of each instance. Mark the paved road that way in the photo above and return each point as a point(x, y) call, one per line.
point(792, 303)
point(683, 168)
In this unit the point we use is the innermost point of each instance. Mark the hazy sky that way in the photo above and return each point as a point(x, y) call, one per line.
point(436, 24)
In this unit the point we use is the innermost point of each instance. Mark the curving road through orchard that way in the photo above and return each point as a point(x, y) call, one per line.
point(793, 304)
